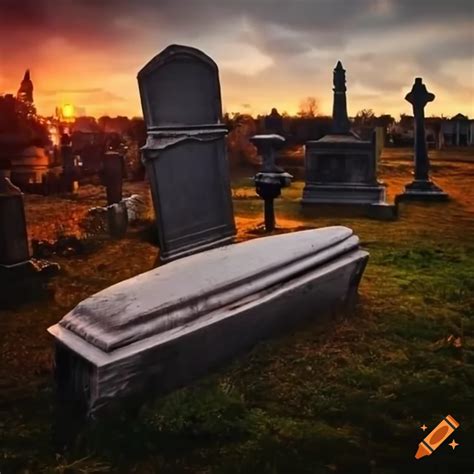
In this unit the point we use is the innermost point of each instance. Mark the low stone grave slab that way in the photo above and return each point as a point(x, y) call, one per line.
point(161, 329)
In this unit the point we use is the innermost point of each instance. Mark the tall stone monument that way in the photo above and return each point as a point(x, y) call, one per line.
point(341, 169)
point(185, 153)
point(422, 188)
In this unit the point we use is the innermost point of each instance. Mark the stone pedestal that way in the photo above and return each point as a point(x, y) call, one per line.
point(341, 173)
point(271, 179)
point(423, 190)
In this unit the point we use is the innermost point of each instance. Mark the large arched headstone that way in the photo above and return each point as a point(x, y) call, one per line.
point(180, 87)
point(185, 153)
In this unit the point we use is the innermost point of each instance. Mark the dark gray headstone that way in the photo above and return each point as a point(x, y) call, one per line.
point(13, 235)
point(68, 162)
point(180, 87)
point(113, 173)
point(185, 153)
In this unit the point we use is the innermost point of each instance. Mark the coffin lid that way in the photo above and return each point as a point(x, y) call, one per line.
point(181, 291)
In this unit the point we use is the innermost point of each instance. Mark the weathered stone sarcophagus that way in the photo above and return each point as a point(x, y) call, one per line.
point(159, 330)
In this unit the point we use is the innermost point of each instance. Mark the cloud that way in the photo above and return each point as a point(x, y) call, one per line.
point(267, 50)
point(71, 91)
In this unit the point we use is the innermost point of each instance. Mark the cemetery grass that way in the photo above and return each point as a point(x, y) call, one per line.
point(347, 394)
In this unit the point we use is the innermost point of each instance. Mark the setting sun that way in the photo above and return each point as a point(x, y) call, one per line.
point(68, 111)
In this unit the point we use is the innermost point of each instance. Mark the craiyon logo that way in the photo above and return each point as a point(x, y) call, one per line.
point(437, 437)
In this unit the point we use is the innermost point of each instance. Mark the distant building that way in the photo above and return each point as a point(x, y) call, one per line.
point(457, 131)
point(439, 131)
point(29, 166)
point(24, 142)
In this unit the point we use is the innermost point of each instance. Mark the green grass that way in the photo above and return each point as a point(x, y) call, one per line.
point(343, 396)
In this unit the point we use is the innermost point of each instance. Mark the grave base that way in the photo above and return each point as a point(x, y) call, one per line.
point(348, 200)
point(378, 211)
point(422, 191)
point(160, 330)
point(25, 281)
point(319, 193)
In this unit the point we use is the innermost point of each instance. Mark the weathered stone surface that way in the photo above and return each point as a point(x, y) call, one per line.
point(113, 174)
point(13, 235)
point(160, 329)
point(421, 188)
point(271, 178)
point(185, 153)
point(340, 168)
point(21, 278)
point(340, 120)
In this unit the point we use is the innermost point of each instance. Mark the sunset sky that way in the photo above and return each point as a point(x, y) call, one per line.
point(270, 52)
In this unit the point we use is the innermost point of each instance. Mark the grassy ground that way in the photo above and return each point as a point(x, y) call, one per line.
point(340, 397)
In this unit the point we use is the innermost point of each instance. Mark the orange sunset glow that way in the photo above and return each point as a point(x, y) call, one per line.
point(270, 53)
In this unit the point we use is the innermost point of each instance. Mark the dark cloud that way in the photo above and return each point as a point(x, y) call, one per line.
point(88, 94)
point(92, 90)
point(303, 38)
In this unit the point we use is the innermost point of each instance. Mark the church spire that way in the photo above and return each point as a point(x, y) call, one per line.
point(25, 92)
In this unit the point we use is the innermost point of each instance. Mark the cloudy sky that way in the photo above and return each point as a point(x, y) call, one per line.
point(270, 52)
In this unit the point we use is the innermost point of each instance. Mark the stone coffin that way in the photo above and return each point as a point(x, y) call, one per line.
point(159, 330)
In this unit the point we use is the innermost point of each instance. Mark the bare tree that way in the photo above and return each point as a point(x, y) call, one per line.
point(308, 107)
point(365, 118)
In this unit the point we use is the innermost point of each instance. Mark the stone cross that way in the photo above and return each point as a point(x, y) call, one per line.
point(340, 120)
point(419, 97)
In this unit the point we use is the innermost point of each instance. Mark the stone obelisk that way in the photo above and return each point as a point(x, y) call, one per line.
point(341, 169)
point(340, 120)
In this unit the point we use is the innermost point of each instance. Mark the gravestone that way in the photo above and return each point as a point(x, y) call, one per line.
point(422, 188)
point(113, 174)
point(113, 170)
point(274, 123)
point(21, 277)
point(341, 169)
point(185, 152)
point(69, 181)
point(13, 235)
